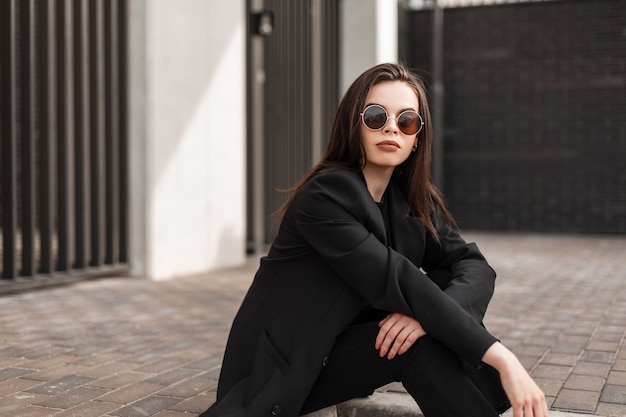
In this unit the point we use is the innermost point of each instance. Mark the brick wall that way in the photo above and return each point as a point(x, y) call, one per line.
point(535, 113)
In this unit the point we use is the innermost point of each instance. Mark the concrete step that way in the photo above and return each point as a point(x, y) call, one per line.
point(380, 404)
point(395, 404)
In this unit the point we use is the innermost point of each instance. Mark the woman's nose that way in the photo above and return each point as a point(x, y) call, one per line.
point(391, 125)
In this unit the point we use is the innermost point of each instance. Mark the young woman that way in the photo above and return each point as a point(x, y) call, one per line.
point(367, 282)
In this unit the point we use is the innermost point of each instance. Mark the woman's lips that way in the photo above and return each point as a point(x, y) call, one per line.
point(388, 145)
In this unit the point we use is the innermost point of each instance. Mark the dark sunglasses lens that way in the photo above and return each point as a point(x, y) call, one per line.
point(375, 117)
point(409, 122)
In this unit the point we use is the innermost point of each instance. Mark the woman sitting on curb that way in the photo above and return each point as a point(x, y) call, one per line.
point(368, 282)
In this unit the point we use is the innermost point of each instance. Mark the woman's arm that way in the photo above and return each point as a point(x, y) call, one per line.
point(399, 332)
point(460, 269)
point(526, 398)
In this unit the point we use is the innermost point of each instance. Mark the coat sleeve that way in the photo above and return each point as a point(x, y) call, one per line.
point(468, 280)
point(332, 215)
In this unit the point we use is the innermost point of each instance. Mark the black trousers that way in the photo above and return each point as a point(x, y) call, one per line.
point(441, 384)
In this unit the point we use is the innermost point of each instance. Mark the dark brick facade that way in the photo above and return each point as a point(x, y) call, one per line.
point(535, 113)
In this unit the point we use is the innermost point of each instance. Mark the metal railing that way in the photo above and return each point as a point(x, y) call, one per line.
point(63, 158)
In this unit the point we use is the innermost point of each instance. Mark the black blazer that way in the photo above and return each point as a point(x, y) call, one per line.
point(331, 259)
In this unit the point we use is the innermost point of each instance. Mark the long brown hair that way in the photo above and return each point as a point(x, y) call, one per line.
point(345, 148)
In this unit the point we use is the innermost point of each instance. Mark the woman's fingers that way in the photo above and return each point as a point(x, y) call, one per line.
point(397, 334)
point(527, 399)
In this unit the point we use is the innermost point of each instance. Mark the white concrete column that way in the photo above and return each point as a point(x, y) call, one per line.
point(369, 36)
point(188, 136)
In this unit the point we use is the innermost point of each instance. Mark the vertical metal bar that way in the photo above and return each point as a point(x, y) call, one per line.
point(82, 132)
point(65, 146)
point(317, 62)
point(48, 133)
point(438, 96)
point(27, 138)
point(331, 68)
point(97, 131)
point(112, 129)
point(257, 136)
point(8, 124)
point(123, 147)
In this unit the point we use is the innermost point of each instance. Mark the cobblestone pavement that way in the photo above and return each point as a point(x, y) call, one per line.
point(131, 347)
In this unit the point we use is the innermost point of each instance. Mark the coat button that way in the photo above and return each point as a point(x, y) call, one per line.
point(276, 410)
point(325, 361)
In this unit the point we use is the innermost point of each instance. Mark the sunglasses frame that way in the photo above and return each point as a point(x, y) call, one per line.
point(394, 118)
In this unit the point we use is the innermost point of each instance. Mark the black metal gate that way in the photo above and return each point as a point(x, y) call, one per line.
point(297, 102)
point(63, 169)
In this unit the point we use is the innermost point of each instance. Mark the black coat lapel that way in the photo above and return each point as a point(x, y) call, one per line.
point(407, 231)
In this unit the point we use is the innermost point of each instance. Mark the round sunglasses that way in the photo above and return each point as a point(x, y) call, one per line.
point(375, 117)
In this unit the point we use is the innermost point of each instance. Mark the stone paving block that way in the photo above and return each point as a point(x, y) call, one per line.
point(100, 360)
point(54, 373)
point(146, 407)
point(43, 352)
point(161, 365)
point(196, 404)
point(598, 356)
point(106, 370)
point(34, 411)
point(619, 329)
point(11, 404)
point(172, 377)
point(8, 362)
point(551, 371)
point(130, 393)
point(527, 350)
point(617, 378)
point(89, 409)
point(610, 410)
point(60, 385)
point(585, 383)
point(550, 387)
point(188, 388)
point(11, 352)
point(567, 347)
point(560, 359)
point(212, 374)
point(529, 362)
point(210, 363)
point(138, 349)
point(170, 413)
point(577, 400)
point(10, 373)
point(592, 369)
point(119, 380)
point(72, 398)
point(619, 365)
point(615, 394)
point(16, 385)
point(50, 362)
point(597, 345)
point(607, 337)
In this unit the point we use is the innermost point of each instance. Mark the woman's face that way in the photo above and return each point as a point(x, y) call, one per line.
point(388, 147)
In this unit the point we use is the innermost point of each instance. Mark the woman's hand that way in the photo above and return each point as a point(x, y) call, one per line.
point(397, 334)
point(525, 396)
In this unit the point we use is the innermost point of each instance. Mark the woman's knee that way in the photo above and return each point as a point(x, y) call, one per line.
point(427, 358)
